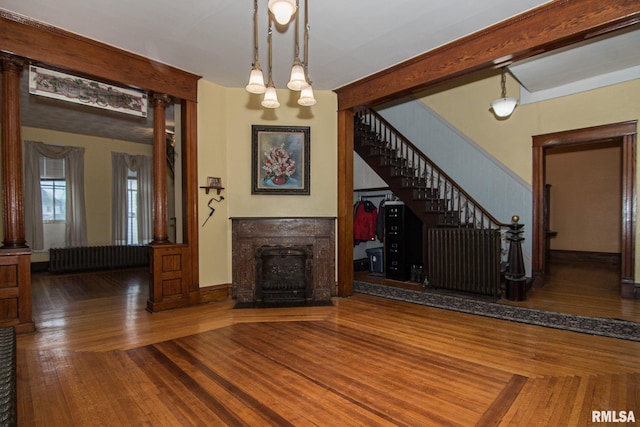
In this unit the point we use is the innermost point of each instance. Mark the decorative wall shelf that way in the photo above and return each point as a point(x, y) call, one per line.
point(208, 188)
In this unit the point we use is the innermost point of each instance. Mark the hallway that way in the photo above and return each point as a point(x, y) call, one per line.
point(583, 288)
point(572, 287)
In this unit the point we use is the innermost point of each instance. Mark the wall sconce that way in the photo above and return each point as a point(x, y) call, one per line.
point(503, 106)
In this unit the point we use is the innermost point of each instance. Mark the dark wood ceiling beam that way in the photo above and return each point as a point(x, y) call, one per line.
point(55, 47)
point(543, 29)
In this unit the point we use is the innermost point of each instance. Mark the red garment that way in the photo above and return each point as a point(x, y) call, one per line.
point(364, 222)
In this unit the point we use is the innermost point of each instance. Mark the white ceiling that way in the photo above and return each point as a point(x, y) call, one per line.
point(214, 38)
point(349, 40)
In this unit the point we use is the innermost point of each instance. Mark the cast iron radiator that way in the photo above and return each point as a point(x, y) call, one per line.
point(87, 258)
point(8, 397)
point(465, 260)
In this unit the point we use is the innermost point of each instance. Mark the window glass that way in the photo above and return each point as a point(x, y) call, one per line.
point(53, 187)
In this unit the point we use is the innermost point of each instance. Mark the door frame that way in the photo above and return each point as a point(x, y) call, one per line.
point(624, 133)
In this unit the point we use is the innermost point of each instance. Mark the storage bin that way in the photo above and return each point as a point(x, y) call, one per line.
point(376, 263)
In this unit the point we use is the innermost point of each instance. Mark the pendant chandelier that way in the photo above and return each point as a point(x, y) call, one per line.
point(283, 11)
point(503, 106)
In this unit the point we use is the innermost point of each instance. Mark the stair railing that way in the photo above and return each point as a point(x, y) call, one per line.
point(429, 181)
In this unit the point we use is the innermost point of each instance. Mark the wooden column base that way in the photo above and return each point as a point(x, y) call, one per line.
point(15, 290)
point(169, 284)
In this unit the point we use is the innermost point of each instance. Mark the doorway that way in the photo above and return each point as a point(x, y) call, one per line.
point(622, 134)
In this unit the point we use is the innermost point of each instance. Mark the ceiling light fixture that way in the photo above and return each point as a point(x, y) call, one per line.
point(270, 99)
point(306, 95)
point(282, 10)
point(503, 106)
point(256, 79)
point(299, 79)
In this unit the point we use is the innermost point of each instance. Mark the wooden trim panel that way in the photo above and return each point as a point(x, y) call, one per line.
point(44, 43)
point(625, 133)
point(15, 290)
point(190, 188)
point(554, 25)
point(170, 278)
point(345, 203)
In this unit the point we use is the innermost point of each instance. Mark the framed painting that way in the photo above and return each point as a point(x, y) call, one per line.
point(280, 159)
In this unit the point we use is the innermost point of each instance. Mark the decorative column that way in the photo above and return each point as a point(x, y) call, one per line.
point(12, 176)
point(515, 275)
point(170, 264)
point(15, 255)
point(160, 235)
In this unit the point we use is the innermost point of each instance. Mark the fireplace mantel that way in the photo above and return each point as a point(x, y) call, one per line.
point(251, 233)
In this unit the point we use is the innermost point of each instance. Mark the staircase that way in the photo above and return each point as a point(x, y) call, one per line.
point(441, 205)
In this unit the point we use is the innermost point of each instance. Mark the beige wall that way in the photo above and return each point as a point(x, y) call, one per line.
point(586, 205)
point(97, 166)
point(467, 108)
point(225, 117)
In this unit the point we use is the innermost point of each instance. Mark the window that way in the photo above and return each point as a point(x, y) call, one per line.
point(132, 208)
point(53, 188)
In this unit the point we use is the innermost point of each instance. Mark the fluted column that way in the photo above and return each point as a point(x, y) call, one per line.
point(160, 234)
point(14, 236)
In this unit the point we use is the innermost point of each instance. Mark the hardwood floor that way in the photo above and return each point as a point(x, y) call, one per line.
point(98, 358)
point(583, 288)
point(573, 287)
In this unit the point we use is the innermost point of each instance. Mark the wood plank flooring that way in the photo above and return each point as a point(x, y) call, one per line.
point(99, 359)
point(583, 288)
point(572, 287)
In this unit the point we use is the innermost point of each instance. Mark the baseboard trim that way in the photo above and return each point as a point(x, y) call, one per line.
point(604, 257)
point(630, 289)
point(214, 293)
point(40, 266)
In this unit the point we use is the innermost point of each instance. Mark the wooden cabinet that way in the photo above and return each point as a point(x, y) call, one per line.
point(402, 241)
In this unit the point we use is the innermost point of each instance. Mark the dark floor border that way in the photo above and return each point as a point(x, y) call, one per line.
point(258, 304)
point(612, 328)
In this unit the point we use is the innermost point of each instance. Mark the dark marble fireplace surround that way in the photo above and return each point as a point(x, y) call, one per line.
point(250, 235)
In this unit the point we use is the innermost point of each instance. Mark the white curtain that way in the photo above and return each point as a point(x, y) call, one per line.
point(143, 166)
point(119, 178)
point(76, 222)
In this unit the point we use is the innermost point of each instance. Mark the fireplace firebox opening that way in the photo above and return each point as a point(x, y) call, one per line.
point(284, 273)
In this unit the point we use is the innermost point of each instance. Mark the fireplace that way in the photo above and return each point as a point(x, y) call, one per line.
point(284, 273)
point(283, 259)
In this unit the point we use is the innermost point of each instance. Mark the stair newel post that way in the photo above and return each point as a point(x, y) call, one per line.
point(516, 283)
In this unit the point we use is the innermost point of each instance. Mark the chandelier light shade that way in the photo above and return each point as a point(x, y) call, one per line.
point(503, 106)
point(256, 79)
point(270, 99)
point(282, 10)
point(299, 78)
point(306, 97)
